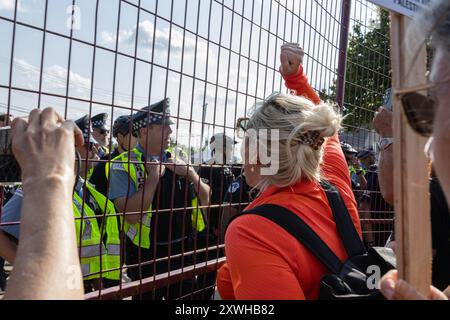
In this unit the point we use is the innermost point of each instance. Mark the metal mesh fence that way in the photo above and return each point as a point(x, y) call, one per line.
point(367, 81)
point(213, 59)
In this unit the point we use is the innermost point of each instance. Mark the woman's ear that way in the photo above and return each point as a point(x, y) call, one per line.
point(142, 132)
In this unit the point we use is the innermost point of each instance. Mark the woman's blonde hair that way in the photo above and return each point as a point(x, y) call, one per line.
point(295, 118)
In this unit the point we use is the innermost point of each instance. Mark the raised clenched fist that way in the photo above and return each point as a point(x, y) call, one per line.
point(291, 57)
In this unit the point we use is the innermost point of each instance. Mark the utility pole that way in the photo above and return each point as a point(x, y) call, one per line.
point(205, 106)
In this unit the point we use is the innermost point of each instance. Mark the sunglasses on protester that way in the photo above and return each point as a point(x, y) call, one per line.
point(241, 127)
point(419, 108)
point(103, 131)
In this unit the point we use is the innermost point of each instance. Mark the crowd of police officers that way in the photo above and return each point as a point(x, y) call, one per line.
point(141, 211)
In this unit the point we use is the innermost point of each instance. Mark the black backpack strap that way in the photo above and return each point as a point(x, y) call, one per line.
point(293, 224)
point(344, 224)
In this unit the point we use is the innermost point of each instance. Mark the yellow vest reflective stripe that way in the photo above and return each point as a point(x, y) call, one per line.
point(92, 249)
point(139, 233)
point(112, 259)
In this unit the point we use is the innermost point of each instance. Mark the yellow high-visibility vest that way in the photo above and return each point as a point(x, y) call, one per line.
point(111, 227)
point(92, 248)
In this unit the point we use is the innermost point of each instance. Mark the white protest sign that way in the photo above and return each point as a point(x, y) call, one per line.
point(405, 7)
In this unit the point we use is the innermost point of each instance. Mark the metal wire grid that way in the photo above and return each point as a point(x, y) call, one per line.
point(261, 28)
point(367, 78)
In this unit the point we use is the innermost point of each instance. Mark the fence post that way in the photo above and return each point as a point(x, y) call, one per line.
point(412, 203)
point(344, 31)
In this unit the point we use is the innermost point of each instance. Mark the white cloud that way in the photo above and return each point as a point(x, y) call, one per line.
point(146, 33)
point(57, 78)
point(53, 77)
point(108, 37)
point(10, 4)
point(7, 4)
point(146, 30)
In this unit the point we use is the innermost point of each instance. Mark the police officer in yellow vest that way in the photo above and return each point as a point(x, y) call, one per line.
point(97, 237)
point(160, 196)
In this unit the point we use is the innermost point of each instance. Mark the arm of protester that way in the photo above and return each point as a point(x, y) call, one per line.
point(397, 289)
point(291, 58)
point(47, 264)
point(382, 123)
point(334, 163)
point(140, 201)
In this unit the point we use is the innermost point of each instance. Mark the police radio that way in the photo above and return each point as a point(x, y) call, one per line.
point(387, 100)
point(10, 173)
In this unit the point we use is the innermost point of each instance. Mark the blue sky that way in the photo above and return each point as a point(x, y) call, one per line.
point(222, 66)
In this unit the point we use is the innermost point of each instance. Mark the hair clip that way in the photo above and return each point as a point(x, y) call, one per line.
point(312, 139)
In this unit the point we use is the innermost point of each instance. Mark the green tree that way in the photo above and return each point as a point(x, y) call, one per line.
point(368, 72)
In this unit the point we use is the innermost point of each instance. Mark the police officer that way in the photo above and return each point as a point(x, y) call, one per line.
point(98, 205)
point(122, 131)
point(159, 189)
point(217, 173)
point(373, 206)
point(356, 172)
point(100, 132)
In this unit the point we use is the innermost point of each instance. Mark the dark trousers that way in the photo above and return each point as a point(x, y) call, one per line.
point(108, 283)
point(207, 280)
point(174, 291)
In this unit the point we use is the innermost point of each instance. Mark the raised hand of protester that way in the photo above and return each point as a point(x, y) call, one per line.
point(382, 123)
point(397, 289)
point(47, 264)
point(44, 146)
point(291, 57)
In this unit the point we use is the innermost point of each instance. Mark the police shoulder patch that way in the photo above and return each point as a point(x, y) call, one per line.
point(205, 180)
point(233, 187)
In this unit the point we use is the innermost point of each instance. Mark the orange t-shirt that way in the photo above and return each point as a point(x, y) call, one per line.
point(263, 260)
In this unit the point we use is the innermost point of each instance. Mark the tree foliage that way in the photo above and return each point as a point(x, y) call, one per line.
point(367, 71)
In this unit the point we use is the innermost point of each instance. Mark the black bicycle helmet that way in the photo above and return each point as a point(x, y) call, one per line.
point(121, 125)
